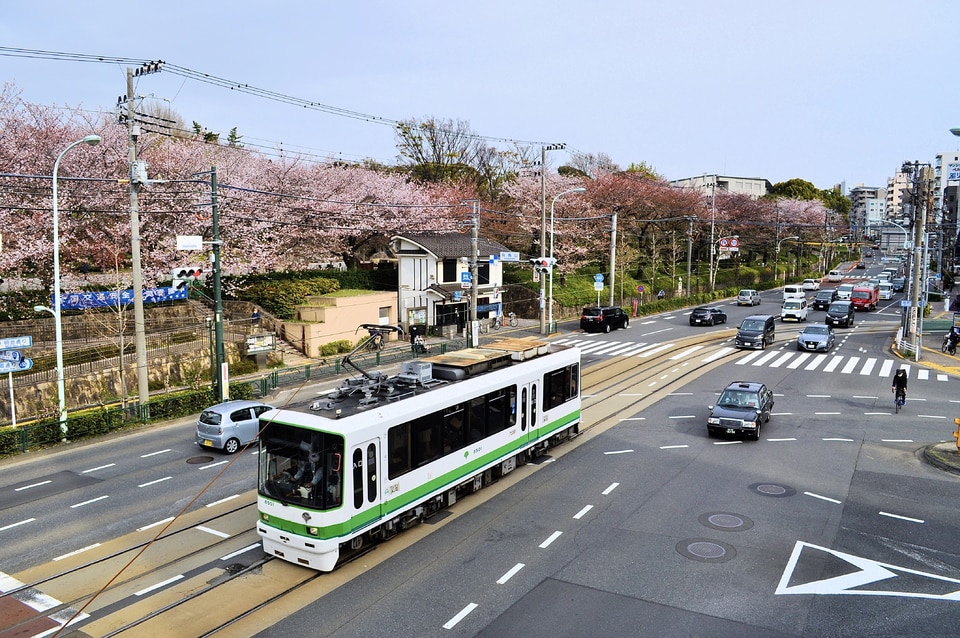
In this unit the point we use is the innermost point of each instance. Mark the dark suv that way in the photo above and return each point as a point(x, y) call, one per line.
point(840, 313)
point(603, 319)
point(742, 407)
point(825, 297)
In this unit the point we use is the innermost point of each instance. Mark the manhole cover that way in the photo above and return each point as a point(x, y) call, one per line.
point(706, 550)
point(725, 521)
point(772, 489)
point(196, 460)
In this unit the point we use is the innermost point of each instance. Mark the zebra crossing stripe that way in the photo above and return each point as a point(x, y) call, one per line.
point(886, 367)
point(817, 360)
point(851, 364)
point(799, 361)
point(719, 354)
point(923, 374)
point(765, 358)
point(655, 350)
point(781, 360)
point(868, 366)
point(685, 353)
point(834, 362)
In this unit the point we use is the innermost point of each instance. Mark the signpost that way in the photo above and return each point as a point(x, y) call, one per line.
point(12, 360)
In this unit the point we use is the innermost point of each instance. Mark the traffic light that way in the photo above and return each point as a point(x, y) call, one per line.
point(543, 264)
point(183, 275)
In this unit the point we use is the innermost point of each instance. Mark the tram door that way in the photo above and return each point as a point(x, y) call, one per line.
point(365, 472)
point(529, 412)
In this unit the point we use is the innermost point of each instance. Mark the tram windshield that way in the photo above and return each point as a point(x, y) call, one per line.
point(302, 467)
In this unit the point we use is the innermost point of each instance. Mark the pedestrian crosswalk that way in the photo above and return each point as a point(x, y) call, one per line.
point(858, 364)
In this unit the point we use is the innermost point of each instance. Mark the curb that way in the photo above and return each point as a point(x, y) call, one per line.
point(943, 456)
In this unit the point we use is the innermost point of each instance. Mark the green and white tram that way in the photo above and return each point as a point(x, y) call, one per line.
point(383, 452)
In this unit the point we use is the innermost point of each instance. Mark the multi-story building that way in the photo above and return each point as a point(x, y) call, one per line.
point(895, 187)
point(867, 205)
point(754, 187)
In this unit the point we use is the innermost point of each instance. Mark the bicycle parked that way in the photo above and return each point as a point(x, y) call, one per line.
point(512, 319)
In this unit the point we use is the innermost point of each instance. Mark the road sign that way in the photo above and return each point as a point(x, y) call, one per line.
point(15, 343)
point(16, 366)
point(598, 285)
point(598, 277)
point(640, 288)
point(11, 355)
point(465, 277)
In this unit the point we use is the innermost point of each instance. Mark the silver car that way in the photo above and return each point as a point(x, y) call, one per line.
point(817, 337)
point(229, 426)
point(748, 297)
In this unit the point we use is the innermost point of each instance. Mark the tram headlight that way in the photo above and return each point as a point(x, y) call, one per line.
point(264, 517)
point(313, 531)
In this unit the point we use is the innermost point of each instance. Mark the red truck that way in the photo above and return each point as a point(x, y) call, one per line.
point(865, 297)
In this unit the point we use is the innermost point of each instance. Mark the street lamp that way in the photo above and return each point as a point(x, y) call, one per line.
point(91, 140)
point(552, 262)
point(776, 259)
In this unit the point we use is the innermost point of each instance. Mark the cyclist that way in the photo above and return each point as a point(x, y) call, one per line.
point(900, 384)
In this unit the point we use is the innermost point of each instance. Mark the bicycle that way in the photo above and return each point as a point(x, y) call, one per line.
point(497, 322)
point(512, 319)
point(948, 346)
point(900, 399)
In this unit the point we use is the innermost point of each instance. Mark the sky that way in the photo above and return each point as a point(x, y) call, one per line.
point(830, 91)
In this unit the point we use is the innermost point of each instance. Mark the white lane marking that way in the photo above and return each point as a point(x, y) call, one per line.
point(902, 518)
point(686, 353)
point(207, 467)
point(634, 418)
point(877, 413)
point(923, 374)
point(152, 525)
point(510, 574)
point(92, 500)
point(222, 501)
point(655, 350)
point(838, 439)
point(851, 364)
point(818, 396)
point(240, 551)
point(12, 525)
point(102, 467)
point(683, 416)
point(868, 366)
point(582, 512)
point(885, 368)
point(817, 360)
point(722, 352)
point(742, 361)
point(781, 360)
point(159, 585)
point(618, 452)
point(450, 624)
point(672, 447)
point(896, 440)
point(765, 358)
point(148, 484)
point(864, 396)
point(727, 442)
point(823, 498)
point(32, 485)
point(545, 544)
point(796, 363)
point(786, 439)
point(942, 377)
point(826, 413)
point(78, 551)
point(212, 531)
point(144, 456)
point(931, 416)
point(609, 489)
point(834, 362)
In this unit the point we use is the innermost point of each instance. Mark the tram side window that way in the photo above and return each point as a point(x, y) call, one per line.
point(523, 409)
point(358, 478)
point(478, 419)
point(453, 430)
point(398, 450)
point(501, 409)
point(560, 386)
point(425, 433)
point(371, 473)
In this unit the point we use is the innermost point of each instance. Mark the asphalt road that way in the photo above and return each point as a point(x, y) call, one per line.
point(829, 526)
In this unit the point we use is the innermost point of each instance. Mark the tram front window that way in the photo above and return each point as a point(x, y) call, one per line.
point(302, 467)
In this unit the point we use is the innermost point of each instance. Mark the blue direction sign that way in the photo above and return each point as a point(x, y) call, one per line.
point(598, 277)
point(15, 343)
point(11, 355)
point(16, 366)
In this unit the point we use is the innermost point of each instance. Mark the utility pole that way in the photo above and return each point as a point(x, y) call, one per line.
point(474, 256)
point(543, 228)
point(613, 252)
point(137, 174)
point(223, 388)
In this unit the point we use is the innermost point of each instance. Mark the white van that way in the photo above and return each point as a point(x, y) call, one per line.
point(835, 275)
point(794, 292)
point(795, 309)
point(886, 290)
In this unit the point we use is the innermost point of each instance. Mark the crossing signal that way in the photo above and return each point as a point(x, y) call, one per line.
point(543, 264)
point(183, 275)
